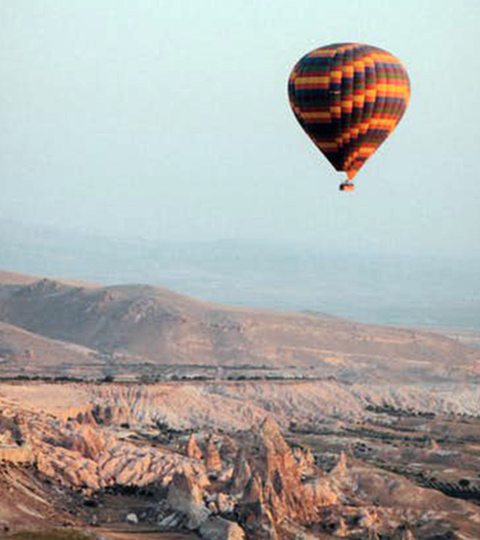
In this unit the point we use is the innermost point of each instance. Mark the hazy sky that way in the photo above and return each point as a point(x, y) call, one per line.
point(170, 120)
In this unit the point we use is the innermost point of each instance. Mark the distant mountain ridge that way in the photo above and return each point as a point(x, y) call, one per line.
point(436, 290)
point(146, 324)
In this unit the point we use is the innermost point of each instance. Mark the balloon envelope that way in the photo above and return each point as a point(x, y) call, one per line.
point(348, 97)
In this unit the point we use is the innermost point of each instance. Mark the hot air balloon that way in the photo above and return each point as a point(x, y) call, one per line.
point(348, 97)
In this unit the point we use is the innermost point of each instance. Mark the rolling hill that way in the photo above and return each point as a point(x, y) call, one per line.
point(145, 325)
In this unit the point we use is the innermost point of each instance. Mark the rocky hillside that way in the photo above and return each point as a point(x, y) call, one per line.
point(114, 459)
point(139, 324)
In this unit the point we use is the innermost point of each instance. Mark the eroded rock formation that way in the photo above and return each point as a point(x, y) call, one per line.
point(275, 491)
point(213, 461)
point(250, 483)
point(185, 495)
point(193, 450)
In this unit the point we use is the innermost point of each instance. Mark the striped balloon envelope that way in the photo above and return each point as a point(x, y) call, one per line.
point(348, 97)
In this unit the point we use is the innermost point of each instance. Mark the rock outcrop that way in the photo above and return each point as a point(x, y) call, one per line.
point(275, 491)
point(341, 467)
point(241, 473)
point(218, 528)
point(213, 461)
point(193, 450)
point(305, 461)
point(20, 455)
point(186, 497)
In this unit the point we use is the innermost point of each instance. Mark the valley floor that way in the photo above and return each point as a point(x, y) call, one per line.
point(161, 461)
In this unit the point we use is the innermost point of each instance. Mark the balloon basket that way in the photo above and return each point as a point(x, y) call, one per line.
point(346, 186)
